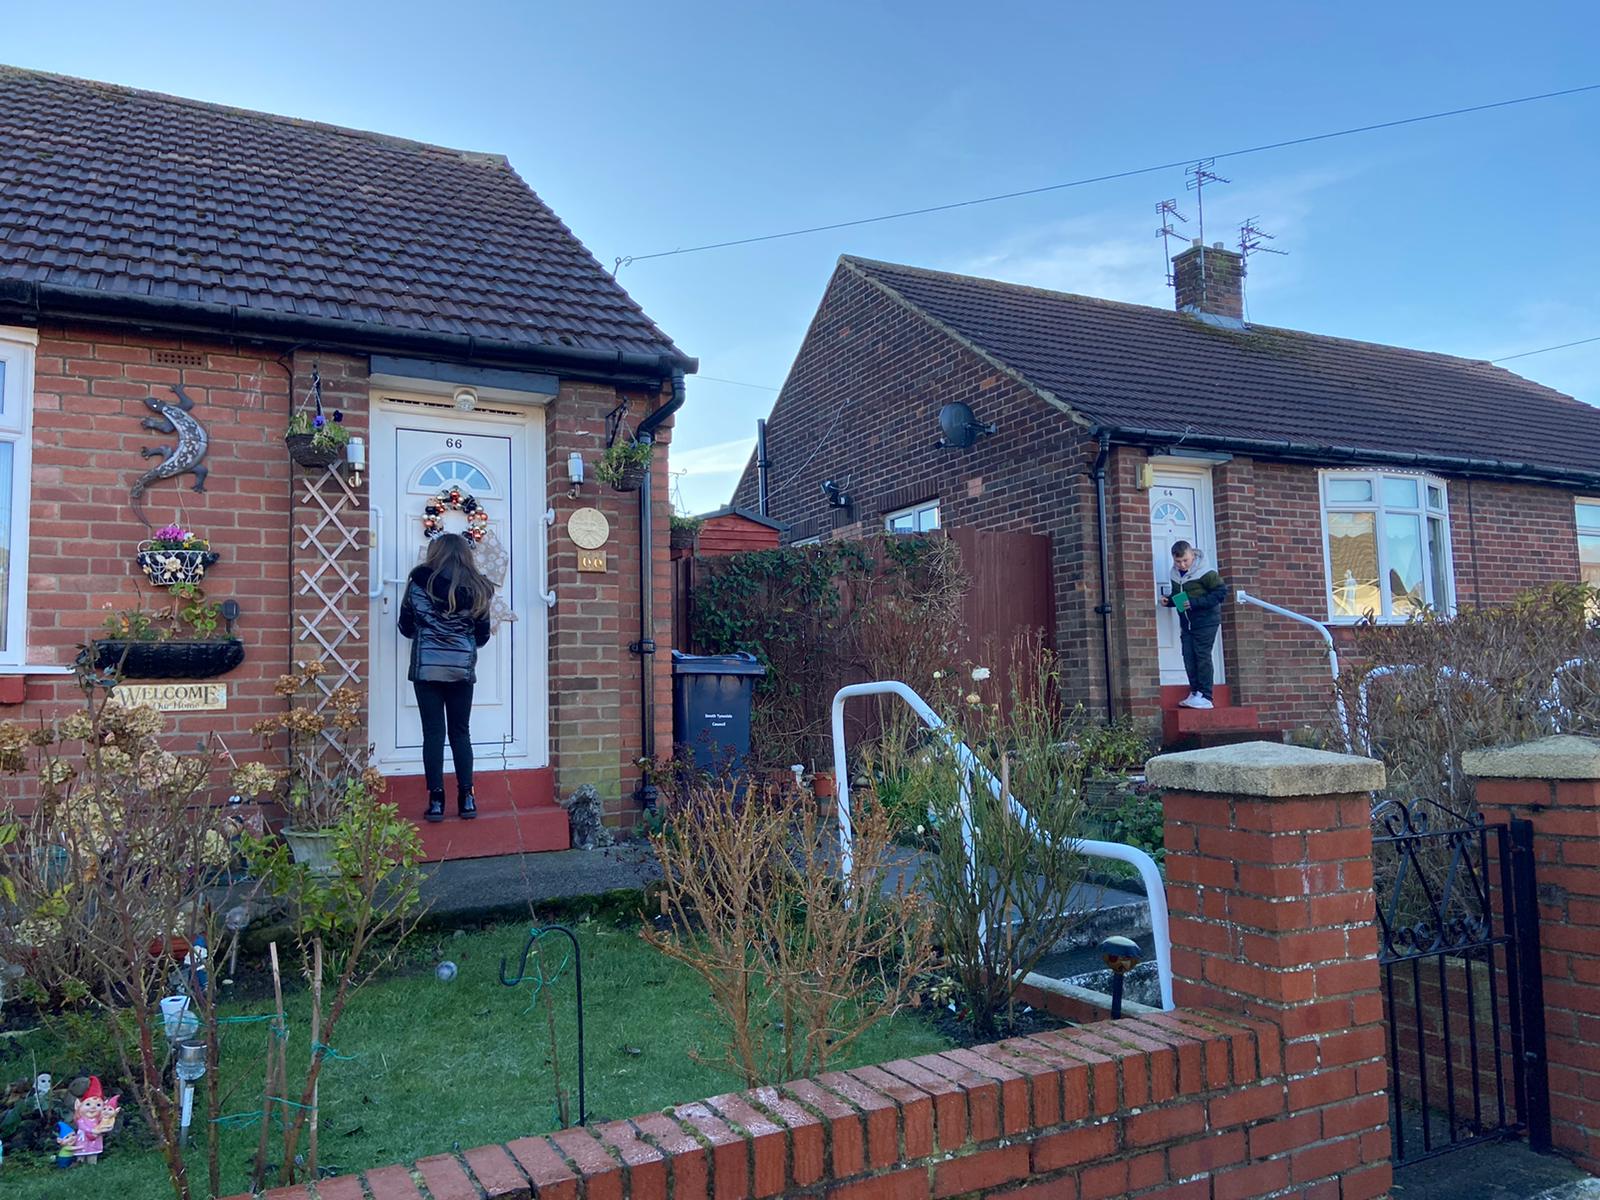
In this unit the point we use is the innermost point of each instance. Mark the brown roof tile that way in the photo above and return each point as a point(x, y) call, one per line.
point(1129, 367)
point(136, 192)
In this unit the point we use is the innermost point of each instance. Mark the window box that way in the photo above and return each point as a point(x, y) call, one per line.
point(1385, 545)
point(173, 659)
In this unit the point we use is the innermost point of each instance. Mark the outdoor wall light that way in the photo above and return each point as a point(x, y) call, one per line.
point(574, 474)
point(466, 399)
point(837, 496)
point(1121, 955)
point(355, 457)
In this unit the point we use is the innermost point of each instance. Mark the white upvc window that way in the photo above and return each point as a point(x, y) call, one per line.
point(1588, 513)
point(16, 440)
point(917, 518)
point(1385, 545)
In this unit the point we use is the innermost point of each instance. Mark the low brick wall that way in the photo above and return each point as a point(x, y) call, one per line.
point(1176, 1105)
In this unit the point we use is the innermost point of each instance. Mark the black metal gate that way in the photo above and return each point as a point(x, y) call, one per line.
point(1463, 999)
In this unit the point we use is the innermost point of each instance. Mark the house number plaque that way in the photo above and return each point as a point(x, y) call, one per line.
point(589, 530)
point(592, 560)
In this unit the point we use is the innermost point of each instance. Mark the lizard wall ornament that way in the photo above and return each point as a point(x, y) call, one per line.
point(187, 457)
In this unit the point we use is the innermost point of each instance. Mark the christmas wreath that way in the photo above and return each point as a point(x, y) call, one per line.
point(454, 500)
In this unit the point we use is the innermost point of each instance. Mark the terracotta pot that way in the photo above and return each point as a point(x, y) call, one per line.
point(822, 785)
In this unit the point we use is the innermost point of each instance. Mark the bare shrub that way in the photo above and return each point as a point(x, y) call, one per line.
point(1001, 889)
point(1423, 693)
point(799, 961)
point(110, 877)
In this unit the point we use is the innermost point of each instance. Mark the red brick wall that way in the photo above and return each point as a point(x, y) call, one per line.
point(89, 397)
point(89, 393)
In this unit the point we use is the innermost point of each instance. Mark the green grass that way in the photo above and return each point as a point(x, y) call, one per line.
point(440, 1064)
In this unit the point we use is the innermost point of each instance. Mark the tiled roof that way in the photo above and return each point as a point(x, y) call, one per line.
point(1129, 367)
point(133, 192)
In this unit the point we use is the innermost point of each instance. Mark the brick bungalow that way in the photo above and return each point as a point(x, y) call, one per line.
point(150, 244)
point(1331, 477)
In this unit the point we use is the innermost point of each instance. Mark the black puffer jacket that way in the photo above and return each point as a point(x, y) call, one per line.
point(444, 644)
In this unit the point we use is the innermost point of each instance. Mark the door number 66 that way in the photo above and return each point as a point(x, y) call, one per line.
point(452, 443)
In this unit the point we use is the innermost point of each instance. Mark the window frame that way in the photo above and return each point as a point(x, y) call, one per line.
point(1423, 510)
point(914, 511)
point(18, 350)
point(1578, 530)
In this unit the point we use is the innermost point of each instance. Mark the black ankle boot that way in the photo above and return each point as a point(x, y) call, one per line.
point(466, 805)
point(435, 806)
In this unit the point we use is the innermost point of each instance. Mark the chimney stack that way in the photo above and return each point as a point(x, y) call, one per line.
point(1209, 282)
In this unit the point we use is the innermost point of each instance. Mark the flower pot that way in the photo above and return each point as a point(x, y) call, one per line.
point(684, 539)
point(313, 847)
point(630, 478)
point(168, 660)
point(304, 450)
point(822, 786)
point(167, 567)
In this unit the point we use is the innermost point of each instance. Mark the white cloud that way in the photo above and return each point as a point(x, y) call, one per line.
point(704, 476)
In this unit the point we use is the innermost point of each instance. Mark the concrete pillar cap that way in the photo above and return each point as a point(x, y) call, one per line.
point(1265, 769)
point(1564, 756)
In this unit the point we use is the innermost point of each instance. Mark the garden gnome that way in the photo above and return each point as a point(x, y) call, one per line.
point(65, 1136)
point(93, 1116)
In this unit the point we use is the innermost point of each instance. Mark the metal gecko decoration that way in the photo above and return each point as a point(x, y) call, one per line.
point(186, 457)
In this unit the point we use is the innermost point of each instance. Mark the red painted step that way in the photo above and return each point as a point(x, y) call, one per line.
point(517, 814)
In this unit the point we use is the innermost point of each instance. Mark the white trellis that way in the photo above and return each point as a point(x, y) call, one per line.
point(330, 598)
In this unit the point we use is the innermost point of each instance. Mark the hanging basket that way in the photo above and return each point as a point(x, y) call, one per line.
point(684, 539)
point(630, 478)
point(168, 660)
point(303, 449)
point(164, 568)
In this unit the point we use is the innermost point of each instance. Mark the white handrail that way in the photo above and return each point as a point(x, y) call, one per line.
point(1244, 597)
point(1155, 889)
point(375, 558)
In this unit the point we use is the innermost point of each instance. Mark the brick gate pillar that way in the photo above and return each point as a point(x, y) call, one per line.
point(1554, 784)
point(1269, 887)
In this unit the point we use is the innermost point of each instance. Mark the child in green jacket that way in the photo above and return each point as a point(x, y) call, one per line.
point(1197, 594)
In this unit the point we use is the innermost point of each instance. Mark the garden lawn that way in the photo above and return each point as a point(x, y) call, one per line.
point(434, 1066)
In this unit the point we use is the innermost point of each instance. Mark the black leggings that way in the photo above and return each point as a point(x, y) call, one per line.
point(446, 709)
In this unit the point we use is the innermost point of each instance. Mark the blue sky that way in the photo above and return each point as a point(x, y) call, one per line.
point(649, 126)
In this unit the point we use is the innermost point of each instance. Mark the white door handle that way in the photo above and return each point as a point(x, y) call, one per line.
point(375, 562)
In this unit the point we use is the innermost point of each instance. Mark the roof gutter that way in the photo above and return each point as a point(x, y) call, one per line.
point(1310, 452)
point(34, 301)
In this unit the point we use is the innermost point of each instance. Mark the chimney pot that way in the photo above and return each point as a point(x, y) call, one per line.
point(1209, 283)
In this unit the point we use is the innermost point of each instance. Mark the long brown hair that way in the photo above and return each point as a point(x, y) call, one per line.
point(450, 555)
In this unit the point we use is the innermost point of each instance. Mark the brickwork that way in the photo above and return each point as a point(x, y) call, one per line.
point(259, 512)
point(1196, 1104)
point(1209, 279)
point(1563, 805)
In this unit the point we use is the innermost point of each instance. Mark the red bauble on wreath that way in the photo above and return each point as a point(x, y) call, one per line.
point(455, 500)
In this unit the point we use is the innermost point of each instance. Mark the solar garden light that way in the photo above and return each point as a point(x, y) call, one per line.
point(1121, 955)
point(190, 1067)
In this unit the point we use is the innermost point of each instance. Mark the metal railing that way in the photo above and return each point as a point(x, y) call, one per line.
point(1244, 597)
point(970, 767)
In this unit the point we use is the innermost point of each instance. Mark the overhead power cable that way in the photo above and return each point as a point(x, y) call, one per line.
point(1110, 176)
point(1545, 350)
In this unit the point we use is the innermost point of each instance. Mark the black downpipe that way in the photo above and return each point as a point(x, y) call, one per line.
point(761, 466)
point(1104, 607)
point(645, 647)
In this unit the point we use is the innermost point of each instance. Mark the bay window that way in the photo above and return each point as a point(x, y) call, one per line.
point(1386, 544)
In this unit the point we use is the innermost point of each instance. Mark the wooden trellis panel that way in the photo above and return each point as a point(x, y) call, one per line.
point(329, 609)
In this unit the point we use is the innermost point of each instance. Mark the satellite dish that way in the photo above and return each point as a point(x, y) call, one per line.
point(959, 426)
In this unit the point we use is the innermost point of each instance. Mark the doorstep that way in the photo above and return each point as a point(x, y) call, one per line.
point(517, 814)
point(1196, 728)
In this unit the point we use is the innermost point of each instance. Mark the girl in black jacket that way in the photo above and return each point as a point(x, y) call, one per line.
point(445, 613)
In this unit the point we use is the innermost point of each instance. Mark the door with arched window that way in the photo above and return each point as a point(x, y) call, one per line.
point(1180, 510)
point(438, 470)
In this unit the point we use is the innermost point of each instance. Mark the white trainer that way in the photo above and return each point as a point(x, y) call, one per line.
point(1198, 701)
point(1189, 700)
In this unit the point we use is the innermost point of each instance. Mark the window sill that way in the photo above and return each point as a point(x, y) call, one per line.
point(35, 670)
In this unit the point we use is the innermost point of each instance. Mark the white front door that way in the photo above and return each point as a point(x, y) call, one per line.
point(1180, 510)
point(421, 452)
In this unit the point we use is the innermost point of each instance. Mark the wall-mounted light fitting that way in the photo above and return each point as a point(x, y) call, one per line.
point(355, 457)
point(837, 496)
point(466, 399)
point(574, 474)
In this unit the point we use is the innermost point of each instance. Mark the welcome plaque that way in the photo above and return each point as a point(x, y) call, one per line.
point(173, 697)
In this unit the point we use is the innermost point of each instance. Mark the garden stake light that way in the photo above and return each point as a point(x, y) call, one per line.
point(190, 1068)
point(1121, 955)
point(540, 982)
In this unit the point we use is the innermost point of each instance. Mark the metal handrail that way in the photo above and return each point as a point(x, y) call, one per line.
point(1155, 889)
point(1244, 597)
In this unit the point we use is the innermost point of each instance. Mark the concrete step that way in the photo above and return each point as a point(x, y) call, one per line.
point(493, 833)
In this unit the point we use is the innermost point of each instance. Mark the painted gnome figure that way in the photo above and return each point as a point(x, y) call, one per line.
point(93, 1116)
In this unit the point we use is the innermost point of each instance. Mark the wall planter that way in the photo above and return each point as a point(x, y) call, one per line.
point(307, 450)
point(629, 478)
point(171, 659)
point(684, 539)
point(165, 568)
point(313, 847)
point(624, 465)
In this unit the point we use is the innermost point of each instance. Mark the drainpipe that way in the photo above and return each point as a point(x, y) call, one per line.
point(1104, 607)
point(761, 466)
point(645, 647)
